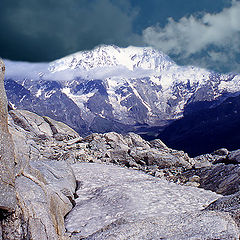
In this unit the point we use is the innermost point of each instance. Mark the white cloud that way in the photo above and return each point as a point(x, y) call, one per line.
point(191, 35)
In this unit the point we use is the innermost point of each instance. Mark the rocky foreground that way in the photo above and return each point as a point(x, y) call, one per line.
point(116, 203)
point(57, 185)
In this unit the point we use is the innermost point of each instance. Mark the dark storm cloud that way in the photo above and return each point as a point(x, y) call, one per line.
point(44, 30)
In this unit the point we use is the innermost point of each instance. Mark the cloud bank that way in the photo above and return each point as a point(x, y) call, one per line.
point(207, 39)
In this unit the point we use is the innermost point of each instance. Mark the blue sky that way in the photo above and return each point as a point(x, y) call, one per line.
point(204, 33)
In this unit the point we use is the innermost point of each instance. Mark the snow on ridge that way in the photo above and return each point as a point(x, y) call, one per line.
point(230, 86)
point(142, 77)
point(78, 99)
point(107, 56)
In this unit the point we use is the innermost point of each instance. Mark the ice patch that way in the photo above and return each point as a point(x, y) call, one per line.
point(230, 86)
point(80, 100)
point(39, 93)
point(49, 94)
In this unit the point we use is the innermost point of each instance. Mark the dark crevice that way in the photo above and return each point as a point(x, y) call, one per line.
point(72, 200)
point(4, 214)
point(53, 128)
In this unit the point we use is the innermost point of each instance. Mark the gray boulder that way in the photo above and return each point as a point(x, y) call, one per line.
point(45, 198)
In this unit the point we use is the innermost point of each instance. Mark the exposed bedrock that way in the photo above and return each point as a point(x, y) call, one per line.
point(35, 192)
point(118, 203)
point(7, 175)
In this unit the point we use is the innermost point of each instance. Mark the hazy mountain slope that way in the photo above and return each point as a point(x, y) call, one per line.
point(206, 129)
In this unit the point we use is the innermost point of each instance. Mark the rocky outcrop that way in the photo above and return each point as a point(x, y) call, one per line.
point(230, 204)
point(218, 172)
point(45, 187)
point(7, 175)
point(129, 151)
point(118, 203)
point(56, 141)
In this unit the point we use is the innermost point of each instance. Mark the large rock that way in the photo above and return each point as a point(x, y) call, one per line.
point(45, 185)
point(42, 181)
point(45, 202)
point(118, 203)
point(7, 175)
point(218, 172)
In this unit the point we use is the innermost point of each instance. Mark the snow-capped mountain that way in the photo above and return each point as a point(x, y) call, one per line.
point(112, 56)
point(112, 88)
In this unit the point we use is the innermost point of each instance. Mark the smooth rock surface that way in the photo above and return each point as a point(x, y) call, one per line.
point(119, 203)
point(7, 174)
point(194, 226)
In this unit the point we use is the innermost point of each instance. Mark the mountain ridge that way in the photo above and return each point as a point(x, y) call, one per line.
point(120, 88)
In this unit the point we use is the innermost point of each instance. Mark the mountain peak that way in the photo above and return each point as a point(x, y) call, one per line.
point(102, 56)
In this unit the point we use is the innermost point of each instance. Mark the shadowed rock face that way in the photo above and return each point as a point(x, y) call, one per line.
point(7, 191)
point(230, 204)
point(218, 172)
